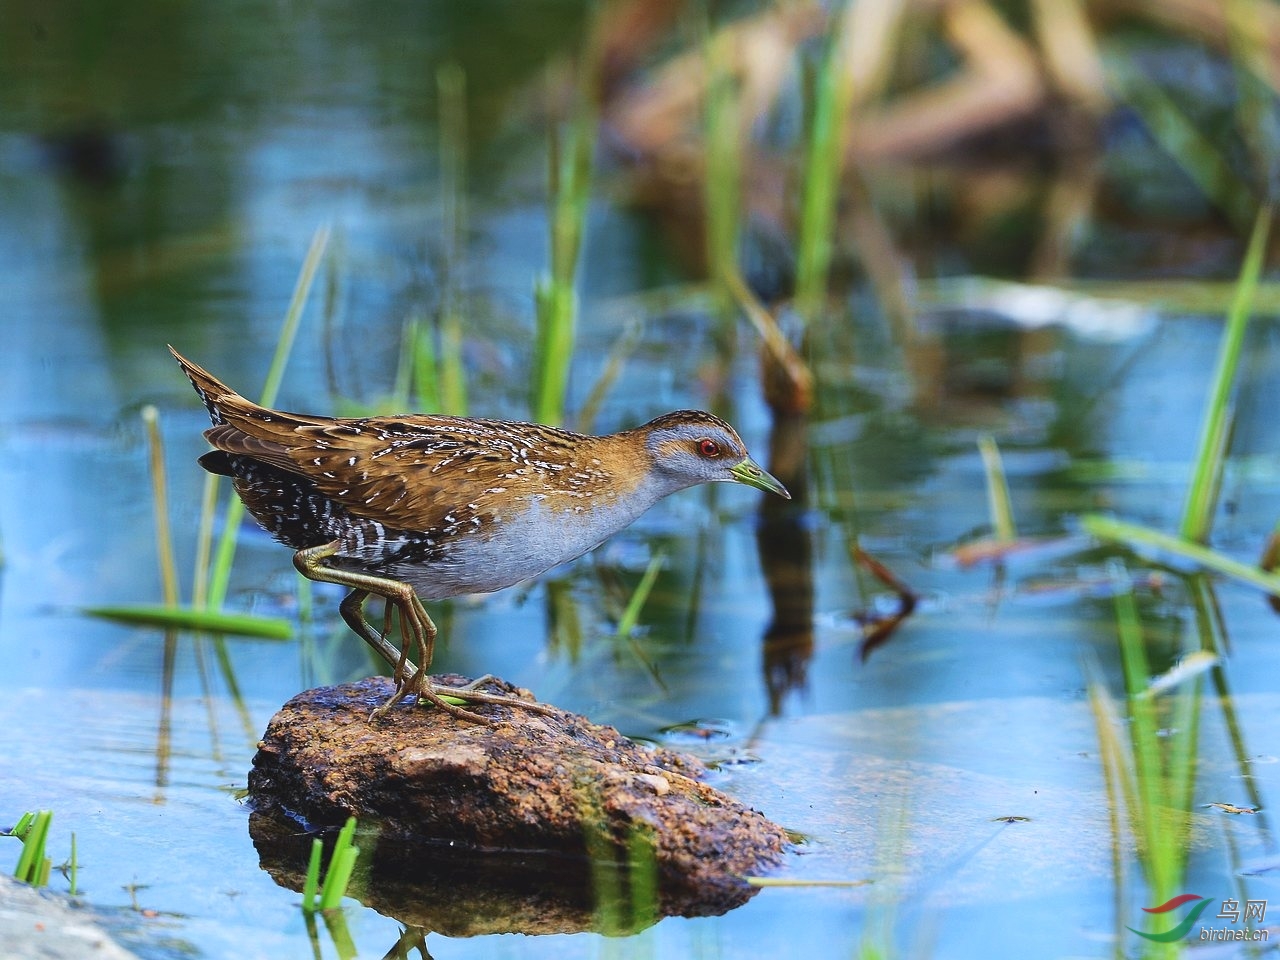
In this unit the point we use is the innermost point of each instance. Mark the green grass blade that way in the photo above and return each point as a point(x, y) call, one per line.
point(621, 350)
point(784, 356)
point(1105, 528)
point(32, 860)
point(555, 294)
point(631, 615)
point(1202, 497)
point(293, 316)
point(343, 944)
point(74, 870)
point(998, 500)
point(193, 618)
point(451, 81)
point(312, 882)
point(722, 183)
point(1117, 775)
point(1145, 742)
point(160, 502)
point(204, 541)
point(346, 835)
point(221, 571)
point(453, 377)
point(642, 877)
point(23, 870)
point(823, 162)
point(341, 864)
point(423, 366)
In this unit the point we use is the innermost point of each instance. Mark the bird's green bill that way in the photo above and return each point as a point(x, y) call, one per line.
point(750, 473)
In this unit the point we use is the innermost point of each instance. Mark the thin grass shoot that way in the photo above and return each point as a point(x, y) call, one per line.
point(160, 501)
point(635, 604)
point(1145, 539)
point(342, 863)
point(999, 503)
point(190, 618)
point(73, 867)
point(451, 381)
point(828, 135)
point(722, 181)
point(337, 877)
point(220, 572)
point(569, 172)
point(1202, 496)
point(33, 865)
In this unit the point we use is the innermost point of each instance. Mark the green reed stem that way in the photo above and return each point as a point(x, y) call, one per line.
point(998, 501)
point(1118, 779)
point(195, 618)
point(1105, 528)
point(610, 913)
point(1164, 766)
point(622, 348)
point(631, 615)
point(569, 169)
point(201, 615)
point(1202, 497)
point(204, 542)
point(335, 922)
point(419, 368)
point(342, 861)
point(221, 570)
point(451, 81)
point(722, 181)
point(341, 864)
point(823, 164)
point(1150, 811)
point(311, 885)
point(73, 870)
point(160, 505)
point(33, 866)
point(642, 876)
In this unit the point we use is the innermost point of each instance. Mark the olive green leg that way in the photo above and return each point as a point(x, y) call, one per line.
point(416, 627)
point(351, 609)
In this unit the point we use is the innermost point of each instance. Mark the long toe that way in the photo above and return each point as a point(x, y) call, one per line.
point(391, 701)
point(472, 695)
point(461, 713)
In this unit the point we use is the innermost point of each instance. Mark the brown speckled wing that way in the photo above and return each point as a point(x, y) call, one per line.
point(407, 473)
point(427, 472)
point(415, 473)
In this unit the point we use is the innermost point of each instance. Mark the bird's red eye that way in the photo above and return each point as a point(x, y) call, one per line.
point(709, 448)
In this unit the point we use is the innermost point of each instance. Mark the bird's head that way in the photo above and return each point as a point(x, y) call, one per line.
point(690, 447)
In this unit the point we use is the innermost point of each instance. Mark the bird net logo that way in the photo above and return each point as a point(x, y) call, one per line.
point(1237, 920)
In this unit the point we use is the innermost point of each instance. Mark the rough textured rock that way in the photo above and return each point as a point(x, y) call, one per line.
point(462, 813)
